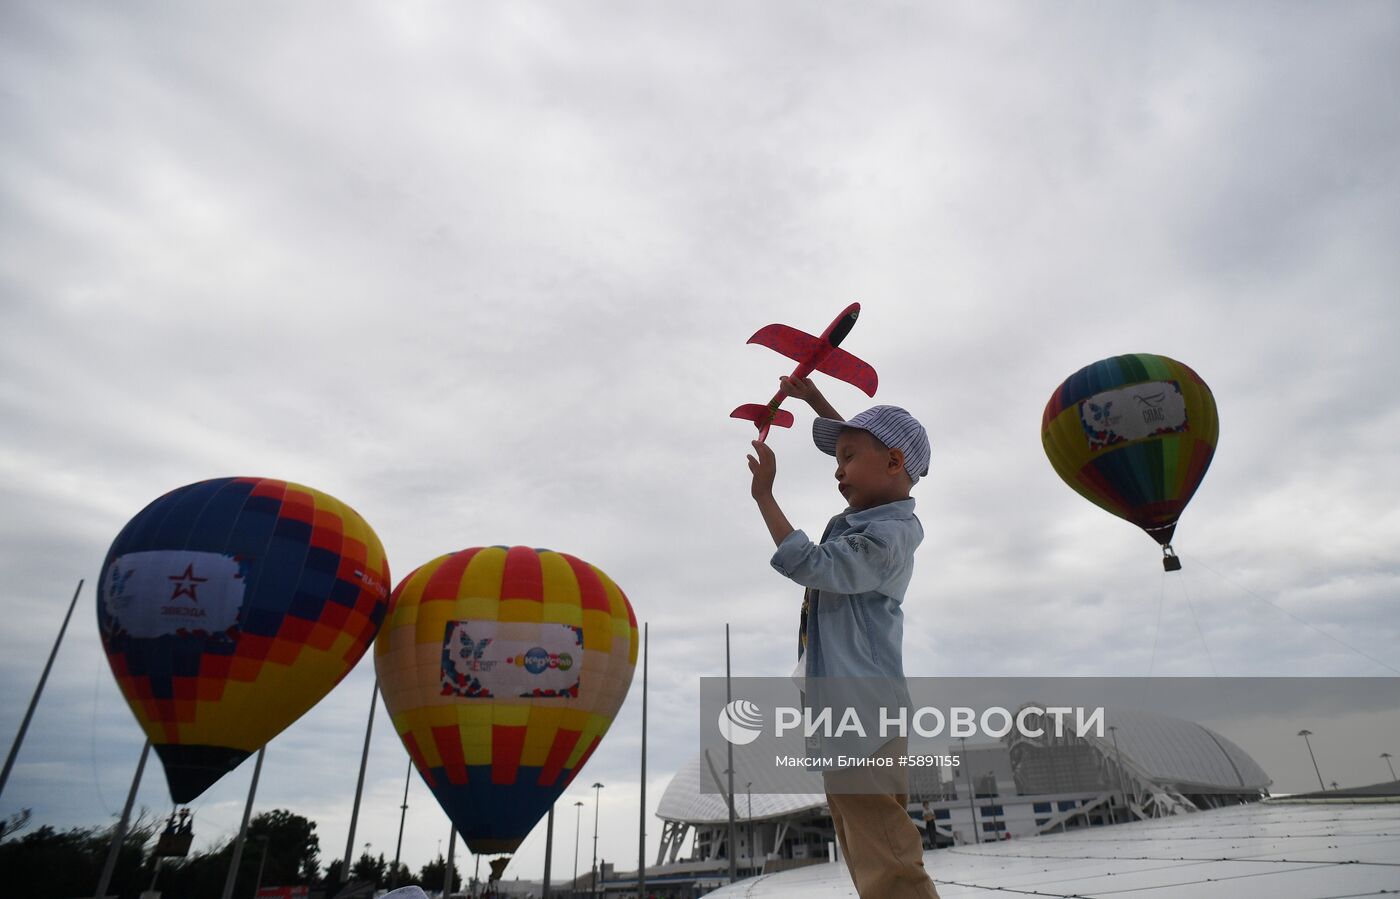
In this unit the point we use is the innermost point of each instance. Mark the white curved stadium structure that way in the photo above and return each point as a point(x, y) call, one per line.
point(1143, 767)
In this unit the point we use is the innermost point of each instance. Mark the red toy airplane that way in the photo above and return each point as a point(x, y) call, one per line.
point(811, 354)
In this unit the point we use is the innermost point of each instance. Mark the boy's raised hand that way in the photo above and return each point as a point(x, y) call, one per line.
point(765, 470)
point(803, 389)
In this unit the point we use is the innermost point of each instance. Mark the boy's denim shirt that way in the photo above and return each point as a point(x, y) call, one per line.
point(858, 575)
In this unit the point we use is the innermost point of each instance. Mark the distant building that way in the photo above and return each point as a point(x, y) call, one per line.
point(1146, 766)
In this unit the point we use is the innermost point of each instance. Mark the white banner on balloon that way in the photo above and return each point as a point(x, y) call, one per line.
point(174, 591)
point(1132, 413)
point(488, 659)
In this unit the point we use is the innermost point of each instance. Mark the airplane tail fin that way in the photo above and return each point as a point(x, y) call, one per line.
point(764, 416)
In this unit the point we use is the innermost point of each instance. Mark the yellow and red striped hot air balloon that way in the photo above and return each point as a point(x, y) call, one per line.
point(502, 668)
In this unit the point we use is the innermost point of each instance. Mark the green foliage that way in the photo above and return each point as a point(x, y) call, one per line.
point(373, 870)
point(432, 874)
point(293, 849)
point(401, 876)
point(335, 874)
point(283, 844)
point(202, 875)
point(49, 864)
point(15, 823)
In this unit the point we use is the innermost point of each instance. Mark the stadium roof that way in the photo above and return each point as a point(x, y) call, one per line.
point(1181, 753)
point(1168, 751)
point(684, 802)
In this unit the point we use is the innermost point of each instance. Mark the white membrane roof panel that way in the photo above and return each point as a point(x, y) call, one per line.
point(1274, 850)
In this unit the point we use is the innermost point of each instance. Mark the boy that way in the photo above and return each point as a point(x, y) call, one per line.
point(851, 627)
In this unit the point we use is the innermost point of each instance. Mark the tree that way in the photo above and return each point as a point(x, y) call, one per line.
point(401, 876)
point(47, 864)
point(201, 874)
point(15, 823)
point(293, 849)
point(373, 870)
point(431, 877)
point(335, 876)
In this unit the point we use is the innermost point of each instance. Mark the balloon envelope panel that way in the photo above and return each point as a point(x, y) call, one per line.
point(502, 668)
point(230, 607)
point(1134, 435)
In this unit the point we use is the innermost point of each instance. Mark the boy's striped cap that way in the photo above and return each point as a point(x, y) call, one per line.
point(893, 426)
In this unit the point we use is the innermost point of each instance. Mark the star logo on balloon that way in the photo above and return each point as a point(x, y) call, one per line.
point(186, 584)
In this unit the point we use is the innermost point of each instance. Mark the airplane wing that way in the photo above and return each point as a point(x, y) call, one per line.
point(802, 348)
point(799, 346)
point(842, 365)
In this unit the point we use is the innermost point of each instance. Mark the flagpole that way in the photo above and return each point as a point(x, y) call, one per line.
point(360, 784)
point(243, 830)
point(728, 698)
point(403, 813)
point(548, 850)
point(447, 873)
point(642, 814)
point(33, 703)
point(111, 866)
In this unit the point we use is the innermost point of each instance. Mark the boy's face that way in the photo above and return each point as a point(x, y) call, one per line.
point(867, 474)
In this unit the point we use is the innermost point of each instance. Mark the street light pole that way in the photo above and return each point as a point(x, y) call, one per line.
point(753, 852)
point(1305, 734)
point(360, 784)
point(597, 791)
point(262, 863)
point(578, 816)
point(730, 839)
point(548, 852)
point(38, 691)
point(1122, 794)
point(1386, 756)
point(403, 813)
point(971, 809)
point(996, 798)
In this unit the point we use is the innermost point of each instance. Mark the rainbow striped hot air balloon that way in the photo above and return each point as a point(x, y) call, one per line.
point(502, 668)
point(228, 608)
point(1134, 435)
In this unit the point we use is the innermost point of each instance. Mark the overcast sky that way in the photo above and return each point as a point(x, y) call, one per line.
point(485, 273)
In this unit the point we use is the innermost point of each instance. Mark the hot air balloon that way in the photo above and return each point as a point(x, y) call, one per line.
point(502, 668)
point(1134, 435)
point(228, 608)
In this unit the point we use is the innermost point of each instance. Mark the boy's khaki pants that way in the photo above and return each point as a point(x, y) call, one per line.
point(878, 839)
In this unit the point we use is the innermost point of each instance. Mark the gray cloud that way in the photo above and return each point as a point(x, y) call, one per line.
point(486, 275)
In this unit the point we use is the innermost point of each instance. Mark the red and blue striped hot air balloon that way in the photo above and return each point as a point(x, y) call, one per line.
point(502, 668)
point(230, 607)
point(1134, 435)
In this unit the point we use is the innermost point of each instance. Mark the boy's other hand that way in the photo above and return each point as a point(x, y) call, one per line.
point(764, 465)
point(802, 388)
point(765, 470)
